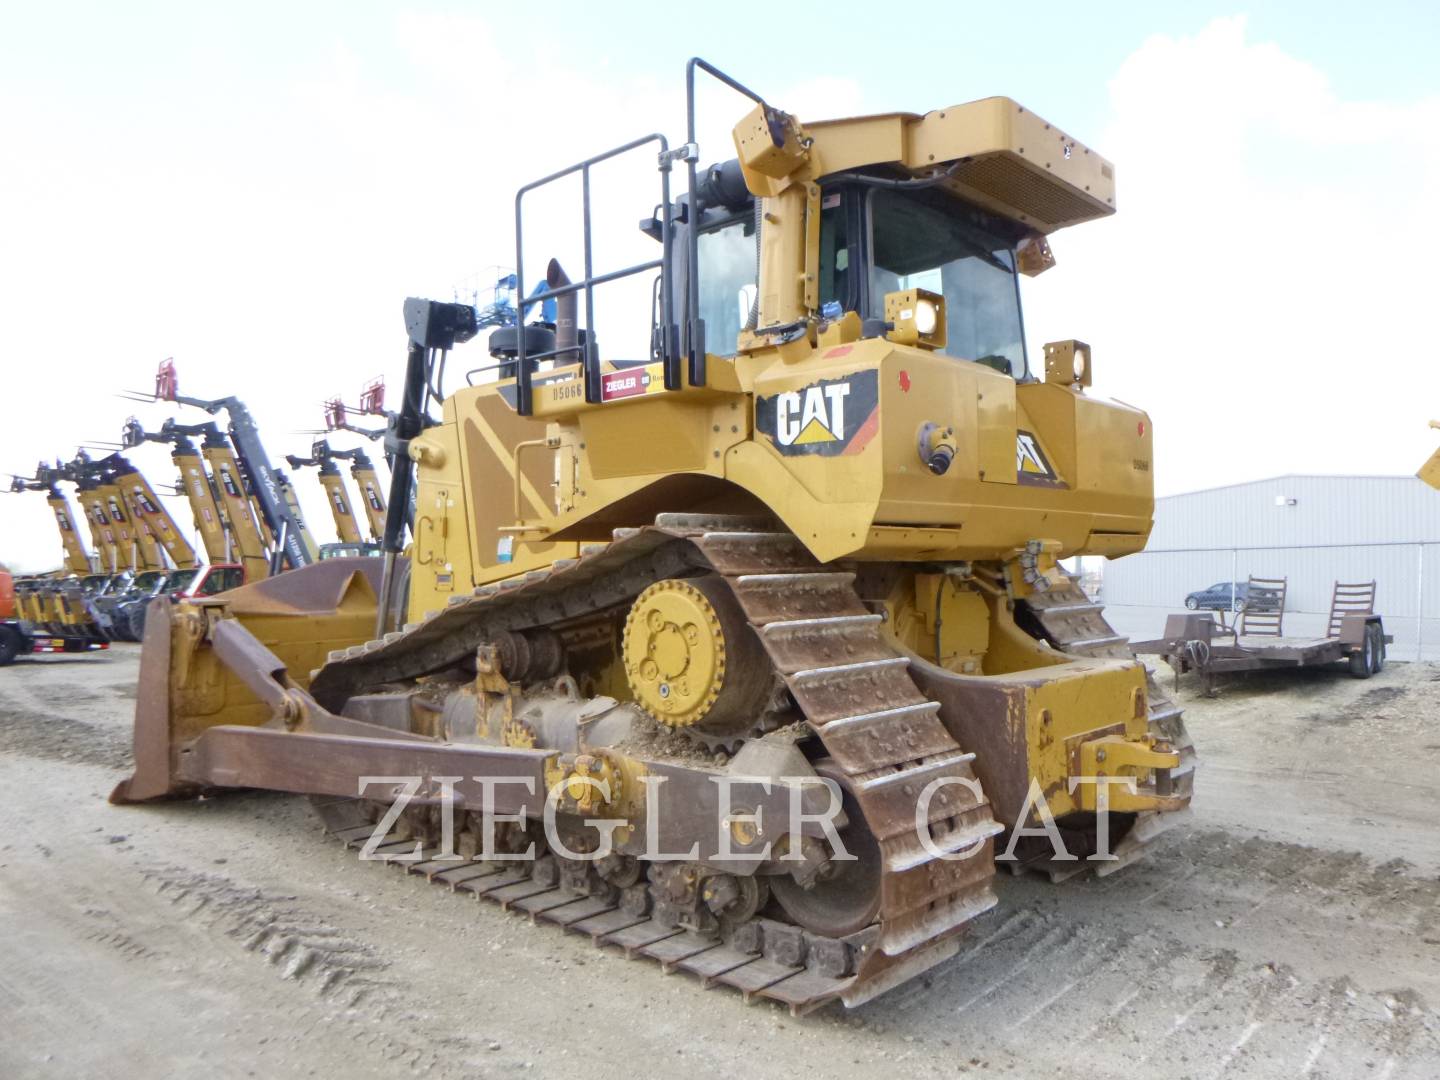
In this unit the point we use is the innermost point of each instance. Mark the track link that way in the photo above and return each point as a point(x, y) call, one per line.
point(857, 696)
point(763, 959)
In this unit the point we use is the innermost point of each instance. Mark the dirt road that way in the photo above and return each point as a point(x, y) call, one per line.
point(1293, 929)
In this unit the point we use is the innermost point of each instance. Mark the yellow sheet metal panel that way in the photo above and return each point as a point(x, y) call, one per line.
point(76, 558)
point(341, 509)
point(1114, 449)
point(152, 512)
point(664, 435)
point(846, 144)
point(208, 520)
point(440, 554)
point(372, 498)
point(995, 426)
point(101, 532)
point(1015, 163)
point(112, 506)
point(782, 258)
point(292, 500)
point(1430, 471)
point(1048, 413)
point(246, 539)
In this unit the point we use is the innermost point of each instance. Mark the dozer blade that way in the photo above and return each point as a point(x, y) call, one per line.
point(185, 688)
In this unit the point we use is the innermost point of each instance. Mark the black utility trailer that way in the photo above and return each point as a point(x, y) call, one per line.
point(1256, 641)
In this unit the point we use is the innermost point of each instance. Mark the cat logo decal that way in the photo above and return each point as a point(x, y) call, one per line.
point(830, 417)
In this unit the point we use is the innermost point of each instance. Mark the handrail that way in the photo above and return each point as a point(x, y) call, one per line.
point(695, 326)
point(671, 346)
point(525, 362)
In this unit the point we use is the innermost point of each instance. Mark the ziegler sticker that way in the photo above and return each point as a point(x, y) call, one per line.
point(832, 417)
point(623, 384)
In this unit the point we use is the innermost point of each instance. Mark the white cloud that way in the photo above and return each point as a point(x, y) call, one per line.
point(1265, 290)
point(263, 229)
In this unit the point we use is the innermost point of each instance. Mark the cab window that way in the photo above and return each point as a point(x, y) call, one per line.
point(835, 251)
point(927, 239)
point(219, 581)
point(727, 281)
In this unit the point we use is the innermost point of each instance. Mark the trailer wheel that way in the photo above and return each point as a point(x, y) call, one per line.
point(1362, 660)
point(1377, 651)
point(9, 644)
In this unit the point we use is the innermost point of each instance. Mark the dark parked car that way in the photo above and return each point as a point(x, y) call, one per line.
point(1218, 597)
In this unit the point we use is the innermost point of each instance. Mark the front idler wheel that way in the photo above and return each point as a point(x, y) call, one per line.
point(845, 897)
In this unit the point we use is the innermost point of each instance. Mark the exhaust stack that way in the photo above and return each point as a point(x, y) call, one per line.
point(567, 333)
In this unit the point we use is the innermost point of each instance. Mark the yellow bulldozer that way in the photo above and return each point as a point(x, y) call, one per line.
point(751, 654)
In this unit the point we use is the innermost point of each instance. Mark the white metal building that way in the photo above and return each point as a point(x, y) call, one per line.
point(1311, 530)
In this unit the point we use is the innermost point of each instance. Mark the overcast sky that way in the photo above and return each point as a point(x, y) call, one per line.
point(254, 188)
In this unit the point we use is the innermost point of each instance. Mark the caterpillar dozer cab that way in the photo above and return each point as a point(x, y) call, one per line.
point(750, 653)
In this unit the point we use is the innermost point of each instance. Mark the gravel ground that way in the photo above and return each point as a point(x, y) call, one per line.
point(1291, 929)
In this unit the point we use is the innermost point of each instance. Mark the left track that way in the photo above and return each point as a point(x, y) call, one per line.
point(853, 689)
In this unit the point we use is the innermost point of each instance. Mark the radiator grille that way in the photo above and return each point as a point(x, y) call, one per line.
point(1004, 179)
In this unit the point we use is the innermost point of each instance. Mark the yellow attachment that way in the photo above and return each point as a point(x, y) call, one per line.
point(1114, 756)
point(76, 559)
point(963, 629)
point(769, 142)
point(591, 778)
point(1033, 256)
point(1067, 363)
point(597, 782)
point(674, 652)
point(919, 318)
point(514, 731)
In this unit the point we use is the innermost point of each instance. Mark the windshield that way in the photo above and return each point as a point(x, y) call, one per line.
point(180, 579)
point(927, 240)
point(147, 580)
point(727, 282)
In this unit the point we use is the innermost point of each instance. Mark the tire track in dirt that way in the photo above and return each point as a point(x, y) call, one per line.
point(273, 927)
